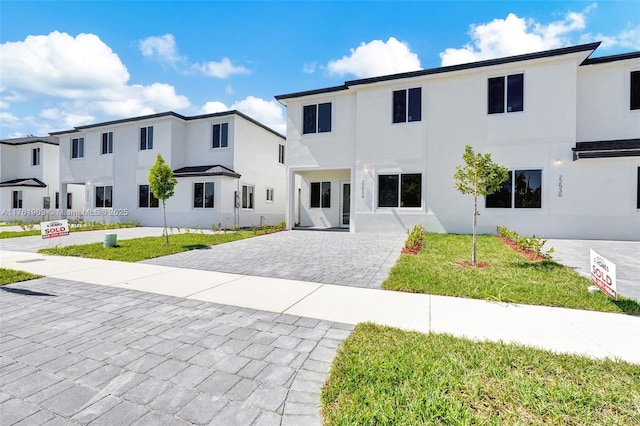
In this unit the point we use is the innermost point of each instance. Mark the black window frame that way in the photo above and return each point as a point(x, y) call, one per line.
point(512, 195)
point(316, 118)
point(638, 190)
point(248, 196)
point(146, 138)
point(407, 105)
point(205, 192)
point(281, 153)
point(505, 94)
point(107, 143)
point(220, 135)
point(77, 147)
point(35, 157)
point(394, 190)
point(146, 199)
point(634, 90)
point(320, 195)
point(104, 196)
point(269, 197)
point(16, 199)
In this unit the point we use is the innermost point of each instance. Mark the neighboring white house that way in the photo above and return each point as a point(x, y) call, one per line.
point(29, 180)
point(379, 154)
point(229, 167)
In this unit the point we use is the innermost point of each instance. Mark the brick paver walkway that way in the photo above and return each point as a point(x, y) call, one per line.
point(76, 353)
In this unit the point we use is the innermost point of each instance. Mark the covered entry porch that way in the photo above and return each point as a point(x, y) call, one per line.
point(320, 199)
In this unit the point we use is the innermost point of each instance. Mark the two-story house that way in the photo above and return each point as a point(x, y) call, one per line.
point(229, 168)
point(29, 180)
point(379, 154)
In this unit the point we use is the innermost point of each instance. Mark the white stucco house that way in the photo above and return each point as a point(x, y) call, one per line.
point(229, 167)
point(379, 154)
point(29, 180)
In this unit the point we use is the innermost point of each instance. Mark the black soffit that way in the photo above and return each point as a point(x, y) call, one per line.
point(607, 149)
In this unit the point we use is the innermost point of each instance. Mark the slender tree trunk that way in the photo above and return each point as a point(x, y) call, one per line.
point(164, 216)
point(475, 214)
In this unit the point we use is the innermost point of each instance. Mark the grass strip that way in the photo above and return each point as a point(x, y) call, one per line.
point(137, 249)
point(94, 226)
point(10, 276)
point(386, 376)
point(510, 277)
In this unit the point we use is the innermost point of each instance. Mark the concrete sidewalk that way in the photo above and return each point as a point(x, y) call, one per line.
point(594, 334)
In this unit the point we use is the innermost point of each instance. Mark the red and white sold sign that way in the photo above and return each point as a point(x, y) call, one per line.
point(54, 229)
point(603, 273)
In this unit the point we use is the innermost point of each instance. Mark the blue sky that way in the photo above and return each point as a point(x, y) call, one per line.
point(65, 64)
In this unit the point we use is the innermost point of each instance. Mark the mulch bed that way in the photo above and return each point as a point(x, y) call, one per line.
point(415, 250)
point(471, 265)
point(526, 253)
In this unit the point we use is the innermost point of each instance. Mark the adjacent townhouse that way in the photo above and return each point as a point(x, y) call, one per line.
point(379, 154)
point(29, 180)
point(229, 167)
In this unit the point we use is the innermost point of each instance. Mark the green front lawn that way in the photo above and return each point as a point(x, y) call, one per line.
point(84, 226)
point(510, 277)
point(10, 276)
point(385, 376)
point(137, 249)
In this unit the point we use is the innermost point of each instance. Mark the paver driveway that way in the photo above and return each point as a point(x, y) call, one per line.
point(360, 260)
point(77, 353)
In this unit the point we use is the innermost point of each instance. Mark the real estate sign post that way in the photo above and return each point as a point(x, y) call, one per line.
point(603, 274)
point(54, 229)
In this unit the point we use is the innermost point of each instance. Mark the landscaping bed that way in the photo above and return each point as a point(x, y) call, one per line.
point(438, 268)
point(385, 376)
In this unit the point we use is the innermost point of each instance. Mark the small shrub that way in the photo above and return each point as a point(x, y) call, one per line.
point(532, 244)
point(414, 237)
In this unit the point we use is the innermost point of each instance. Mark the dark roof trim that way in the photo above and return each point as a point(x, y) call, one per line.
point(472, 65)
point(214, 170)
point(170, 114)
point(612, 58)
point(52, 140)
point(607, 149)
point(30, 182)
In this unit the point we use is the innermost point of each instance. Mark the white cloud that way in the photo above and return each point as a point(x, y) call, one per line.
point(515, 35)
point(268, 113)
point(161, 47)
point(310, 68)
point(222, 69)
point(228, 89)
point(376, 58)
point(626, 39)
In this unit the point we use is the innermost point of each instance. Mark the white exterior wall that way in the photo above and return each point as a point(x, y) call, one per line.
point(181, 143)
point(564, 103)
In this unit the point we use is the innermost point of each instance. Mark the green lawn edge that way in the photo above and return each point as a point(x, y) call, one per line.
point(10, 276)
point(510, 277)
point(74, 228)
point(386, 376)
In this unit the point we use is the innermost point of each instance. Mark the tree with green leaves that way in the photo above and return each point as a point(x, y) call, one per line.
point(478, 177)
point(162, 185)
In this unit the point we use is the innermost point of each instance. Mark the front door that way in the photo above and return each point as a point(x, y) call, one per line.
point(345, 204)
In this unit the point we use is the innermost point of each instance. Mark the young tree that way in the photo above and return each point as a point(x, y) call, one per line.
point(161, 185)
point(478, 177)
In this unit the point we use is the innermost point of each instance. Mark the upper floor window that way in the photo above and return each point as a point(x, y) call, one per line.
point(77, 148)
point(220, 135)
point(321, 194)
point(506, 94)
point(407, 105)
point(316, 118)
point(203, 195)
point(523, 192)
point(104, 196)
point(107, 143)
point(16, 200)
point(146, 197)
point(634, 96)
point(35, 157)
point(280, 153)
point(247, 196)
point(403, 190)
point(146, 138)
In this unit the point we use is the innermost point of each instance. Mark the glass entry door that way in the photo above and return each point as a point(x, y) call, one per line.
point(345, 204)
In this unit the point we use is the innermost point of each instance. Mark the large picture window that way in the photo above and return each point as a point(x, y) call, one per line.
point(107, 143)
point(203, 195)
point(220, 135)
point(506, 94)
point(316, 118)
point(77, 148)
point(400, 190)
point(146, 197)
point(523, 190)
point(104, 196)
point(407, 105)
point(320, 195)
point(146, 138)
